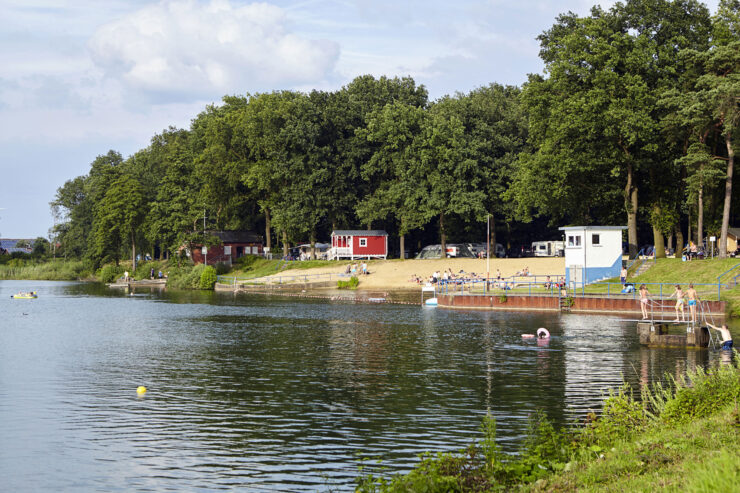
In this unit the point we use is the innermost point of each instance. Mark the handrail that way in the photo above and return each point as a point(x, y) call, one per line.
point(282, 279)
point(727, 271)
point(637, 257)
point(519, 287)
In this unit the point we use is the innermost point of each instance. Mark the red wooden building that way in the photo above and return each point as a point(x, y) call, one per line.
point(234, 244)
point(356, 244)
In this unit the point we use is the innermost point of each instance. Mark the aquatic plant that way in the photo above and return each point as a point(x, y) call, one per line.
point(351, 284)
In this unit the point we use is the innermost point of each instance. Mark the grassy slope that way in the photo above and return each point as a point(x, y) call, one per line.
point(263, 267)
point(696, 271)
point(703, 455)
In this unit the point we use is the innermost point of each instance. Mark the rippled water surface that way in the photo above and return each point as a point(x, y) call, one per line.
point(272, 393)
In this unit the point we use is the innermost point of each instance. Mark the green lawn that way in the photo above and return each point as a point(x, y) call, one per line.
point(259, 267)
point(701, 456)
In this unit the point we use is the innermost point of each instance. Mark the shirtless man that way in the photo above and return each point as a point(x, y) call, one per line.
point(678, 293)
point(693, 297)
point(726, 336)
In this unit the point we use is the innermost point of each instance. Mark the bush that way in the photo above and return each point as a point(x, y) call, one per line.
point(351, 284)
point(185, 277)
point(109, 273)
point(222, 268)
point(622, 415)
point(702, 394)
point(207, 278)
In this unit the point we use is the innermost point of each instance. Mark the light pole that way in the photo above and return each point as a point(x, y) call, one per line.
point(488, 249)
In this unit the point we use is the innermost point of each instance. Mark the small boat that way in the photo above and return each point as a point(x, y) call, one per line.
point(25, 296)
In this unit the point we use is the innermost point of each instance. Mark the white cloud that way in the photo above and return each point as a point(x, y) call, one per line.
point(189, 48)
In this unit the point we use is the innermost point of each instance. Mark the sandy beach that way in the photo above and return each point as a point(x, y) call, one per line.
point(395, 274)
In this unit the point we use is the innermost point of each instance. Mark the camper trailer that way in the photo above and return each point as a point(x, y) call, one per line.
point(548, 248)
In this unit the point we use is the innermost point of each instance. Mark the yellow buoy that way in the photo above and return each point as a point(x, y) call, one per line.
point(141, 390)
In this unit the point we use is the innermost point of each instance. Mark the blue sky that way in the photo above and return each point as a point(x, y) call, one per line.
point(81, 77)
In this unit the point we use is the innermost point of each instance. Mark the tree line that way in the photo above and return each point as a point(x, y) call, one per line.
point(634, 121)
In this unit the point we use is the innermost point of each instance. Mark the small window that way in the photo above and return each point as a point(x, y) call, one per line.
point(227, 250)
point(595, 240)
point(574, 241)
point(363, 242)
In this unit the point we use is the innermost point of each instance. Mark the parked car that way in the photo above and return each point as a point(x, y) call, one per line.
point(521, 251)
point(480, 250)
point(454, 250)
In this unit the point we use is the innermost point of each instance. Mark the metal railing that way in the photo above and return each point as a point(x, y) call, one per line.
point(538, 285)
point(281, 279)
point(734, 279)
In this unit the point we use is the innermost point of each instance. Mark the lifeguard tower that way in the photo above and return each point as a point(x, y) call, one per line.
point(592, 253)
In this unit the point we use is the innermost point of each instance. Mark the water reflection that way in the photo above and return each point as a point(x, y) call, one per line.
point(266, 392)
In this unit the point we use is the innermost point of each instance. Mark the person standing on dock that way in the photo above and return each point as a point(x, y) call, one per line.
point(644, 293)
point(693, 298)
point(725, 333)
point(678, 293)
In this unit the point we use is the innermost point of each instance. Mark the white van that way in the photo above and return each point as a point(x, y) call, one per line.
point(548, 248)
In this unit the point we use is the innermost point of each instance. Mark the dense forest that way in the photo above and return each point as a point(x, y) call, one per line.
point(634, 122)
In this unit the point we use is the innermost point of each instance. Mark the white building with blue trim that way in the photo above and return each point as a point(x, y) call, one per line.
point(592, 253)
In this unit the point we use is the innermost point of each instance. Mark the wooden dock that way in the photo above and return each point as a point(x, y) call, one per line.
point(672, 334)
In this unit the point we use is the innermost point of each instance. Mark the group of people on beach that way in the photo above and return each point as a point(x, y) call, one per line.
point(354, 269)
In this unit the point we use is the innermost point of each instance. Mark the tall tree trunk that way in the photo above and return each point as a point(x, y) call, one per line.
point(700, 217)
point(285, 243)
point(268, 232)
point(630, 204)
point(728, 196)
point(492, 243)
point(403, 247)
point(133, 253)
point(508, 236)
point(313, 245)
point(679, 240)
point(688, 233)
point(670, 241)
point(442, 236)
point(658, 242)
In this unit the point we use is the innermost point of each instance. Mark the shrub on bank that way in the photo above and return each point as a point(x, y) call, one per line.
point(109, 273)
point(207, 278)
point(351, 284)
point(185, 277)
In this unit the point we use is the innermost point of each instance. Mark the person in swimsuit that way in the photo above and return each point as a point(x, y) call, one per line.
point(726, 336)
point(678, 293)
point(693, 297)
point(644, 293)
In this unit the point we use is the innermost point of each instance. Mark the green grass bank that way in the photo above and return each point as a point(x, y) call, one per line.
point(180, 274)
point(677, 436)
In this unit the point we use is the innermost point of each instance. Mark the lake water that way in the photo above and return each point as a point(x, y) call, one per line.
point(266, 393)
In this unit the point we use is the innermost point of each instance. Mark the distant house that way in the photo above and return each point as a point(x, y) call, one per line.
point(234, 244)
point(592, 253)
point(733, 240)
point(9, 245)
point(355, 244)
